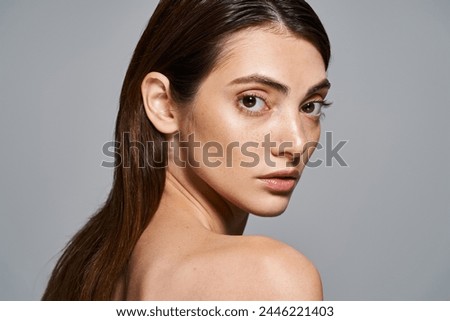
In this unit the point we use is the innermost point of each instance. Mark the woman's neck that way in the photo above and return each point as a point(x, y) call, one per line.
point(199, 203)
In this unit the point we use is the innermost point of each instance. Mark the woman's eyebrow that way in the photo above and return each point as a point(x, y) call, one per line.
point(264, 80)
point(324, 84)
point(284, 89)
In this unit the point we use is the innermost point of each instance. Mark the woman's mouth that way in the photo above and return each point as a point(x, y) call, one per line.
point(280, 184)
point(281, 181)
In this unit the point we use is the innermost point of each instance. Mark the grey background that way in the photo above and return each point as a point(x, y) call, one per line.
point(376, 230)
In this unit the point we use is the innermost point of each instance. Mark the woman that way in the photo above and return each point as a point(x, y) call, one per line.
point(219, 113)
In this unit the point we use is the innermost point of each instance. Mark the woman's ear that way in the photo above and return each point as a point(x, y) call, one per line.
point(158, 104)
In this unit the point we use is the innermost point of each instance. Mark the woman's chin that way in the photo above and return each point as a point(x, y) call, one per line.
point(263, 205)
point(270, 210)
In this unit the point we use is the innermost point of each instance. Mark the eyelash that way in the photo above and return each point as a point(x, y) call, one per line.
point(248, 111)
point(324, 104)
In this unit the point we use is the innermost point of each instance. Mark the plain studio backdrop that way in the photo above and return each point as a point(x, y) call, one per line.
point(377, 229)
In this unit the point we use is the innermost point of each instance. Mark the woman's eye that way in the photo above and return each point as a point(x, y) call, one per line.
point(313, 108)
point(252, 103)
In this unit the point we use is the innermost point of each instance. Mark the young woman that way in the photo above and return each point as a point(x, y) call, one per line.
point(219, 113)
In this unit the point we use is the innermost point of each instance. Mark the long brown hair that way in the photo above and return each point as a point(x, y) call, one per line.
point(183, 41)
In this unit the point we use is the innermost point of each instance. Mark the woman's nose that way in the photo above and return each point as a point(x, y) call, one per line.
point(291, 138)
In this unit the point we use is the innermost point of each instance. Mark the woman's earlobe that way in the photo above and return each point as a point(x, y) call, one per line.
point(158, 104)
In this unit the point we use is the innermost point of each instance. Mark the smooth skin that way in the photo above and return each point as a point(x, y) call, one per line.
point(267, 82)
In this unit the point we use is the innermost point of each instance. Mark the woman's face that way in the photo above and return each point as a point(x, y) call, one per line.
point(256, 120)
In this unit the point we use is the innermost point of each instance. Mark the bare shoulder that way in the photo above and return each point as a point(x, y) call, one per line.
point(283, 272)
point(244, 268)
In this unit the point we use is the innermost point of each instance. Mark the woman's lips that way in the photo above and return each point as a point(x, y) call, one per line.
point(281, 181)
point(278, 184)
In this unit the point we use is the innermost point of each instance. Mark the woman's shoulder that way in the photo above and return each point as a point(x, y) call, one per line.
point(244, 268)
point(282, 272)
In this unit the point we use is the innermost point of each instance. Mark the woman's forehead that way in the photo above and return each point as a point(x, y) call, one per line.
point(283, 56)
